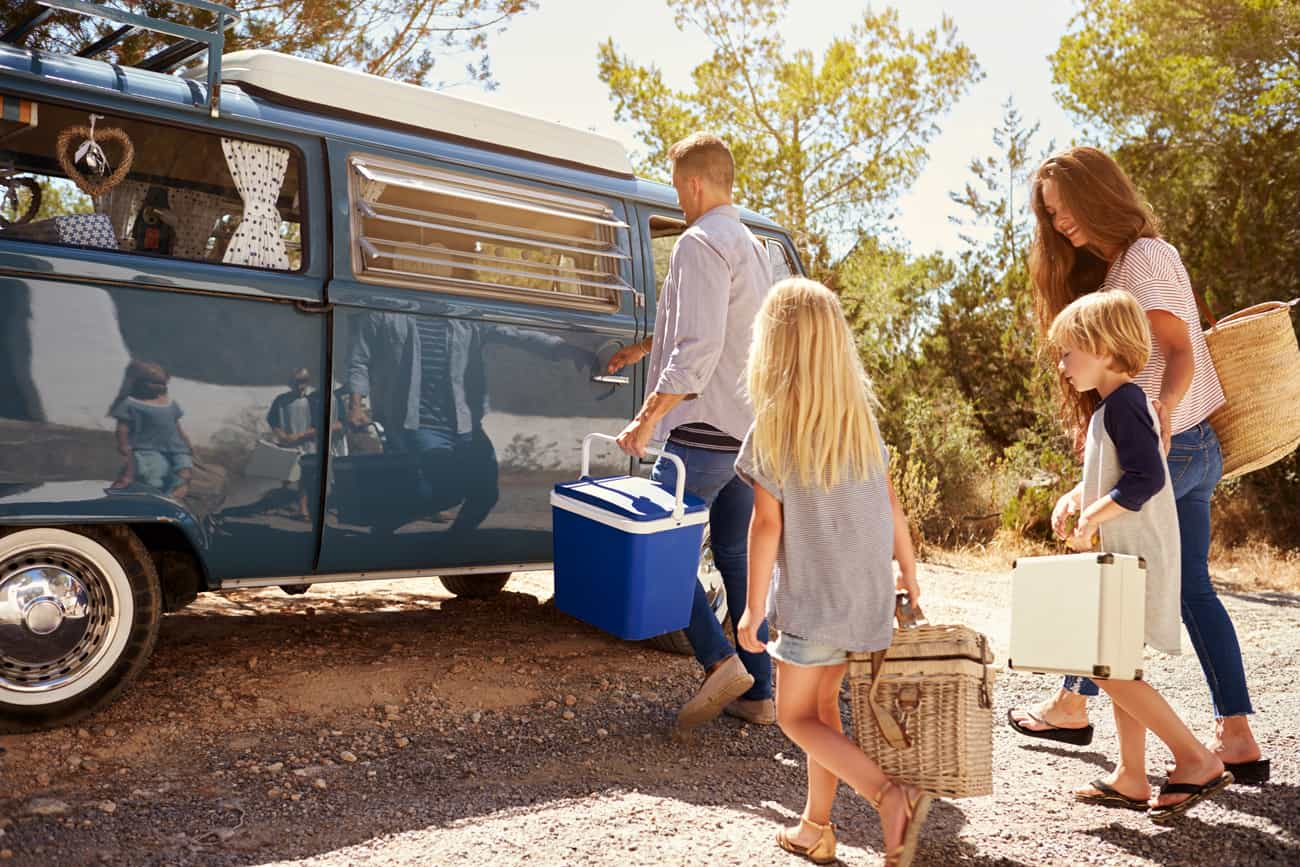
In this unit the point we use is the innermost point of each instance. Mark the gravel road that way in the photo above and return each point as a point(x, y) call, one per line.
point(390, 724)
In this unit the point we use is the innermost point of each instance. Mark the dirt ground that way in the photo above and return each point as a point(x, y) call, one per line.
point(389, 723)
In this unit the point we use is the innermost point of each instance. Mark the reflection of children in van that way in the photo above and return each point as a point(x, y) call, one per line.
point(149, 435)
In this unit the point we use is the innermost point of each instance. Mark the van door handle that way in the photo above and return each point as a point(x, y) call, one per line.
point(612, 379)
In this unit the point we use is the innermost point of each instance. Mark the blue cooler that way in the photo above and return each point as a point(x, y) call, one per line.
point(627, 550)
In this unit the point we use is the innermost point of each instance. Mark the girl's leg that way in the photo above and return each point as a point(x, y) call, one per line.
point(822, 784)
point(799, 714)
point(1130, 776)
point(1194, 763)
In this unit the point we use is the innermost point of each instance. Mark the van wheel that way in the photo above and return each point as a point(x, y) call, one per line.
point(79, 611)
point(475, 586)
point(711, 579)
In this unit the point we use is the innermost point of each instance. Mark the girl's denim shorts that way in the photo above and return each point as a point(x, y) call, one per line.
point(793, 650)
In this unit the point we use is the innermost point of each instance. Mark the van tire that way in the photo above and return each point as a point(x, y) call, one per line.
point(475, 586)
point(120, 581)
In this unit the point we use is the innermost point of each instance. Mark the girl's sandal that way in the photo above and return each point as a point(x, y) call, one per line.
point(821, 852)
point(916, 806)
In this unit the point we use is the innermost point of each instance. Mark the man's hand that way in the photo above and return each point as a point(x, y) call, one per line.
point(635, 437)
point(747, 632)
point(625, 356)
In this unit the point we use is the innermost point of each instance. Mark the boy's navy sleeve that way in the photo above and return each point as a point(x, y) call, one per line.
point(1137, 445)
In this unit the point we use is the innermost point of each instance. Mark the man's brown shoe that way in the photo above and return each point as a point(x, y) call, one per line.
point(759, 711)
point(729, 681)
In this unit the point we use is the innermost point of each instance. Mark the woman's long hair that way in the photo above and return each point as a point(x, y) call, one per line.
point(1104, 203)
point(814, 416)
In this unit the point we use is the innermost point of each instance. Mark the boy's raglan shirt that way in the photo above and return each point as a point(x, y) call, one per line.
point(1137, 447)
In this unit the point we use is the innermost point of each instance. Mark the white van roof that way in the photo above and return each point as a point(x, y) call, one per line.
point(362, 93)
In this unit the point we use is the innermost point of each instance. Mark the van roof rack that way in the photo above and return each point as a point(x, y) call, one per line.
point(191, 41)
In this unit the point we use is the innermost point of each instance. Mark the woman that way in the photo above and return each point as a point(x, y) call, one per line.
point(1093, 232)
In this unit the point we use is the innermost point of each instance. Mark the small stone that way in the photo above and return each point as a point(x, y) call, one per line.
point(476, 716)
point(74, 762)
point(295, 797)
point(42, 779)
point(403, 743)
point(275, 767)
point(392, 709)
point(348, 757)
point(252, 663)
point(499, 660)
point(568, 714)
point(274, 792)
point(106, 807)
point(602, 733)
point(372, 773)
point(47, 807)
point(319, 783)
point(550, 705)
point(89, 765)
point(110, 733)
point(570, 700)
point(83, 733)
point(6, 854)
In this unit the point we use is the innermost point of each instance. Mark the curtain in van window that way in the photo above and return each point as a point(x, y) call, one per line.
point(198, 212)
point(120, 205)
point(258, 171)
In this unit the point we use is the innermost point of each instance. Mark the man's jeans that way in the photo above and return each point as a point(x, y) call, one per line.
point(1195, 465)
point(711, 476)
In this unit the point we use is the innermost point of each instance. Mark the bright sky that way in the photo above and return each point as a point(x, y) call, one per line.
point(546, 66)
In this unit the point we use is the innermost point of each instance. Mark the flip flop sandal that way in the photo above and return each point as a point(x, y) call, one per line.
point(1079, 737)
point(1249, 773)
point(821, 852)
point(1108, 797)
point(1195, 794)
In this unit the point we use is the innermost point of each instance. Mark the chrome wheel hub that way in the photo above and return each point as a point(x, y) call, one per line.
point(57, 613)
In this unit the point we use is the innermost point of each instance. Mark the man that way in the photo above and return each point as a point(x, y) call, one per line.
point(292, 421)
point(717, 278)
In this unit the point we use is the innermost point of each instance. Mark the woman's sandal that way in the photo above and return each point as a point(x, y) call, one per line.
point(821, 852)
point(1195, 794)
point(916, 805)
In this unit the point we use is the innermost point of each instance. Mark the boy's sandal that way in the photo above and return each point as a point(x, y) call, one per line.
point(1195, 793)
point(916, 807)
point(1107, 796)
point(821, 852)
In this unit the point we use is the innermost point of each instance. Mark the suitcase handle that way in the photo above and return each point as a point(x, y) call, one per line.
point(679, 503)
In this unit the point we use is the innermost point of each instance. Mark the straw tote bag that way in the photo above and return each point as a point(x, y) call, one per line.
point(923, 709)
point(1257, 358)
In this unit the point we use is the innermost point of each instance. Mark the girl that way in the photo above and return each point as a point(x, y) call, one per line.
point(149, 435)
point(1103, 340)
point(1094, 232)
point(826, 516)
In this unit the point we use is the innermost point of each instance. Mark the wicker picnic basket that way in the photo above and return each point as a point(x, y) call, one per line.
point(1258, 361)
point(923, 709)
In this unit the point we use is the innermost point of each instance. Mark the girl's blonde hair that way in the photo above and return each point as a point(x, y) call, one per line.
point(814, 415)
point(1109, 322)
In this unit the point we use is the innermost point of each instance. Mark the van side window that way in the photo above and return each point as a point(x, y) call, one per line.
point(782, 267)
point(664, 232)
point(431, 228)
point(144, 187)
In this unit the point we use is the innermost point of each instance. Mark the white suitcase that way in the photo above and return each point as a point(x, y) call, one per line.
point(1079, 614)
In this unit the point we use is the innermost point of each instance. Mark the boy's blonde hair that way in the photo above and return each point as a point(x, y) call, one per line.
point(813, 402)
point(1106, 322)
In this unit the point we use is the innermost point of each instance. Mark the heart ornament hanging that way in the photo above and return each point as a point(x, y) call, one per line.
point(89, 166)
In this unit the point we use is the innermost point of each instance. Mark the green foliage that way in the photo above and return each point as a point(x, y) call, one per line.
point(822, 143)
point(1034, 473)
point(402, 39)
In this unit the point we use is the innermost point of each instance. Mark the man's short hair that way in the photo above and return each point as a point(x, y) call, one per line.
point(705, 155)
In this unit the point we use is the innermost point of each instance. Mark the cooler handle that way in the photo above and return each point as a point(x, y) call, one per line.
point(679, 504)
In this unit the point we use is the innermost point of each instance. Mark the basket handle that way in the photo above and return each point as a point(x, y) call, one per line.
point(679, 502)
point(1254, 310)
point(885, 721)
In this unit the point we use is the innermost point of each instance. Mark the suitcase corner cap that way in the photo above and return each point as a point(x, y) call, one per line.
point(1106, 559)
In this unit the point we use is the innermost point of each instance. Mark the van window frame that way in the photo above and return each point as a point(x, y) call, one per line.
point(114, 112)
point(536, 188)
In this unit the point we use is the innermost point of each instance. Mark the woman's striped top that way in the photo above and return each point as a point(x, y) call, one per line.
point(1153, 273)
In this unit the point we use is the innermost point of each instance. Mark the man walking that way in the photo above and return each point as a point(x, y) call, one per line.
point(717, 279)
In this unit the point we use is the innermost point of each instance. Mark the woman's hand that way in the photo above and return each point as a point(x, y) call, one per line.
point(1069, 504)
point(747, 632)
point(1165, 415)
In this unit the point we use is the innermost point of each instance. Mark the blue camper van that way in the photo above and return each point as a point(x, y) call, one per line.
point(269, 322)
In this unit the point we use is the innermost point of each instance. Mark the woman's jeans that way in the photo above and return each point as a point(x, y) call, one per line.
point(1195, 465)
point(711, 476)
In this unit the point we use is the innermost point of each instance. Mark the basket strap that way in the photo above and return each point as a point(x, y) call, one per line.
point(1204, 307)
point(889, 727)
